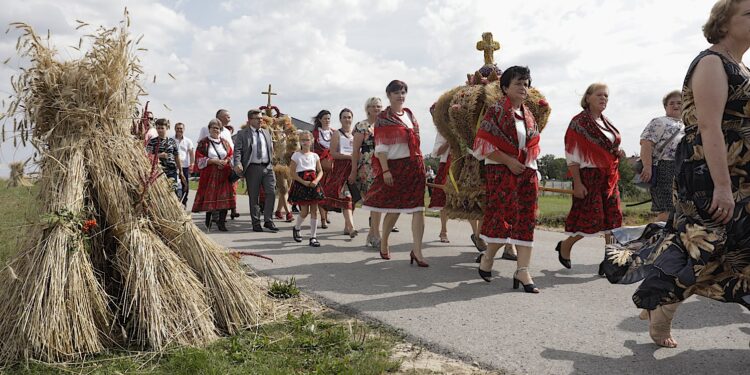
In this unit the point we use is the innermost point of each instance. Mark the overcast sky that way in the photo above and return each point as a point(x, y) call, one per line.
point(331, 54)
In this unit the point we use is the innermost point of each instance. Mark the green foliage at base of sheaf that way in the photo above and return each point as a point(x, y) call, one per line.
point(300, 344)
point(284, 289)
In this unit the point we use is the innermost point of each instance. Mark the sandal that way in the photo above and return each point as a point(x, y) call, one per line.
point(314, 242)
point(444, 237)
point(660, 324)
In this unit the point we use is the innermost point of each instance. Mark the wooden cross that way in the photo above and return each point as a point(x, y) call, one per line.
point(269, 93)
point(489, 47)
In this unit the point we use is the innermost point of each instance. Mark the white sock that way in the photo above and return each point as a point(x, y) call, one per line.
point(313, 227)
point(298, 224)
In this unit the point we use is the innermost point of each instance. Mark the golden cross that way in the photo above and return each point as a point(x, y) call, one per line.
point(268, 93)
point(489, 47)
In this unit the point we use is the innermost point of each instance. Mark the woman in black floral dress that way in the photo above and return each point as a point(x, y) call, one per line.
point(705, 248)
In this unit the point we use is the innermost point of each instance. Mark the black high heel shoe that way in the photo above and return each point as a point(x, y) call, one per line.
point(528, 288)
point(485, 275)
point(563, 261)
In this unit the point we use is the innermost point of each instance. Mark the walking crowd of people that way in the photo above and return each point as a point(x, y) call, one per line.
point(696, 158)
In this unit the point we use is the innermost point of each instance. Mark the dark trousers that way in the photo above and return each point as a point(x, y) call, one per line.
point(186, 188)
point(257, 175)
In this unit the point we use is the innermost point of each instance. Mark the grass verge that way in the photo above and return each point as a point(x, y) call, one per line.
point(300, 342)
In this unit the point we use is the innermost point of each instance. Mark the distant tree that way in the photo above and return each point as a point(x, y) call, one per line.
point(559, 169)
point(626, 184)
point(544, 163)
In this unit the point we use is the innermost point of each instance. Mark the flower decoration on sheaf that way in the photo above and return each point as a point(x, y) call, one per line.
point(89, 226)
point(696, 238)
point(543, 103)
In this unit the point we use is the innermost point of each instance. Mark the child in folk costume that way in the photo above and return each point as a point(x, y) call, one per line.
point(508, 141)
point(592, 150)
point(306, 191)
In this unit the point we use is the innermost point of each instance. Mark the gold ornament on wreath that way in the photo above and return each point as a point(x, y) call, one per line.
point(457, 115)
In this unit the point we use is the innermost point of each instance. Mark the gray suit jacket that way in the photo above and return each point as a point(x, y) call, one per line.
point(244, 143)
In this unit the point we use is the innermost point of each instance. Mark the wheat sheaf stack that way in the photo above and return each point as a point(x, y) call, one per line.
point(115, 262)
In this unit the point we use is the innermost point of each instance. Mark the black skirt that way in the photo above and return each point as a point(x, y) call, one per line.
point(306, 195)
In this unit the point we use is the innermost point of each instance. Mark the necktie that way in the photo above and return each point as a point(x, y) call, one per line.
point(258, 146)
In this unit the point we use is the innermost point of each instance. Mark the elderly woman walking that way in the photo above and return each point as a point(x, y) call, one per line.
point(215, 193)
point(659, 142)
point(592, 150)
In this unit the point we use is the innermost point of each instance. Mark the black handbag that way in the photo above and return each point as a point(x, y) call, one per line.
point(639, 163)
point(233, 176)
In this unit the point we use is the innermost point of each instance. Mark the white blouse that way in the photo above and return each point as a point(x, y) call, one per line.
point(305, 161)
point(324, 137)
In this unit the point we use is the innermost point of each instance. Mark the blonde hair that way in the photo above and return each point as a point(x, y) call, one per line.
point(715, 28)
point(671, 95)
point(303, 132)
point(371, 101)
point(590, 90)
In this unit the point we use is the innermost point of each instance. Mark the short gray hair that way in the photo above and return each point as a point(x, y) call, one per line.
point(214, 121)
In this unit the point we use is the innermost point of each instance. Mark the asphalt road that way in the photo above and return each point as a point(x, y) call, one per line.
point(579, 324)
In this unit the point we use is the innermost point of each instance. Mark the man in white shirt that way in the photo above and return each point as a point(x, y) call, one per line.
point(186, 149)
point(224, 118)
point(253, 159)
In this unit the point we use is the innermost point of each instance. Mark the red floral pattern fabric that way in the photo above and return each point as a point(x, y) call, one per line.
point(437, 199)
point(335, 188)
point(510, 205)
point(599, 210)
point(407, 191)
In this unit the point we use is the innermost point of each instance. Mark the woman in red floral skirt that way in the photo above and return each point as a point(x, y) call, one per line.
point(508, 141)
point(215, 193)
point(592, 150)
point(336, 187)
point(322, 135)
point(399, 184)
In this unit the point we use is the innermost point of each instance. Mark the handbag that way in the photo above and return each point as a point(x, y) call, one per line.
point(639, 163)
point(233, 176)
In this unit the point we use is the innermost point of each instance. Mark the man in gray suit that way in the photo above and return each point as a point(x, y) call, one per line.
point(253, 159)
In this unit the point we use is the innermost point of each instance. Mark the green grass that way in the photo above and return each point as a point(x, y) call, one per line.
point(284, 289)
point(303, 343)
point(18, 208)
point(554, 208)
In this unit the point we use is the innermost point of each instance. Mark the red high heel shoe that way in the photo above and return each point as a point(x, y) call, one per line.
point(386, 256)
point(420, 263)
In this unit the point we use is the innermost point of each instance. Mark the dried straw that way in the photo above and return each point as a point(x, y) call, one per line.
point(17, 177)
point(54, 304)
point(56, 309)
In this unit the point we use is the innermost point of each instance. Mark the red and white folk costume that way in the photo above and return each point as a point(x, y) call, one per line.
point(336, 187)
point(594, 145)
point(511, 200)
point(438, 197)
point(398, 136)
